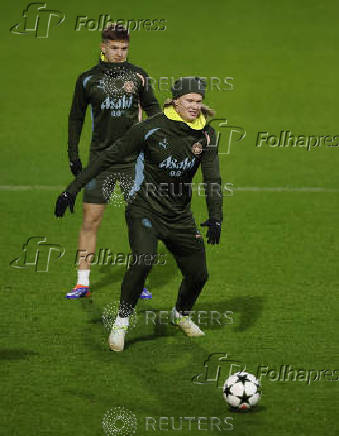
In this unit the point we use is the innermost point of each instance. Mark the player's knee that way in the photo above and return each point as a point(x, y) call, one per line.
point(91, 224)
point(140, 269)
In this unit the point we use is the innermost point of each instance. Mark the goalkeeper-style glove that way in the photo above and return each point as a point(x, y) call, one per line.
point(65, 200)
point(213, 231)
point(75, 166)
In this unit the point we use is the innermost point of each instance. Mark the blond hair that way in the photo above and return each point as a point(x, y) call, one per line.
point(205, 110)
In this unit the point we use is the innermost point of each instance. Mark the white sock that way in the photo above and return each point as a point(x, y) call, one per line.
point(83, 277)
point(121, 322)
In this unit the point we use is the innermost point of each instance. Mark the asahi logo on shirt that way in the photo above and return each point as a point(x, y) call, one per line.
point(173, 163)
point(117, 103)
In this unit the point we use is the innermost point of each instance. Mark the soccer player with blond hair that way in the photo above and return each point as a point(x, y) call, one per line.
point(169, 148)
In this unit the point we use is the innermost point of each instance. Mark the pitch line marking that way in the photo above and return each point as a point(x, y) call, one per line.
point(239, 188)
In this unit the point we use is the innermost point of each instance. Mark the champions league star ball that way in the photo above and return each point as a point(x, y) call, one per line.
point(242, 391)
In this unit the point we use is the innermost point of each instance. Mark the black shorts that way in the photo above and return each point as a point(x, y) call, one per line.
point(100, 190)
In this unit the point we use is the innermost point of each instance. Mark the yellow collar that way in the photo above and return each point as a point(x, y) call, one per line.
point(196, 124)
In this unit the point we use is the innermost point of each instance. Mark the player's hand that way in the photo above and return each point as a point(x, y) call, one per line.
point(213, 231)
point(65, 200)
point(75, 166)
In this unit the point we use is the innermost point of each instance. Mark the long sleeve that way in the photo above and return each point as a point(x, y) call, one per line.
point(76, 118)
point(131, 143)
point(147, 99)
point(211, 177)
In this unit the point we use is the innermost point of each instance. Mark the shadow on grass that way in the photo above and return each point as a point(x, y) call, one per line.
point(160, 330)
point(111, 274)
point(249, 310)
point(169, 356)
point(157, 279)
point(18, 354)
point(130, 342)
point(256, 409)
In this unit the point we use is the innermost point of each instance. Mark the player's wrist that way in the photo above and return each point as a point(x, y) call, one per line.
point(75, 166)
point(215, 221)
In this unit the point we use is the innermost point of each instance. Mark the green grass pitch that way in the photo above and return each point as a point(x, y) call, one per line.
point(276, 269)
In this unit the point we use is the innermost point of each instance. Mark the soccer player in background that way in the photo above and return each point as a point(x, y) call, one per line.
point(169, 147)
point(116, 90)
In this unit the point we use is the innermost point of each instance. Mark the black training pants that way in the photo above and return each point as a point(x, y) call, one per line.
point(182, 239)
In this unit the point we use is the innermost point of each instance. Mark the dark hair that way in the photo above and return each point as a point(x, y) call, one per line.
point(115, 32)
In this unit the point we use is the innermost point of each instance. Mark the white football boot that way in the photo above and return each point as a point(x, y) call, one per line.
point(116, 340)
point(186, 324)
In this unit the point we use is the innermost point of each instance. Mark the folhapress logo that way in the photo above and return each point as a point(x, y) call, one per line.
point(37, 254)
point(37, 20)
point(228, 136)
point(217, 368)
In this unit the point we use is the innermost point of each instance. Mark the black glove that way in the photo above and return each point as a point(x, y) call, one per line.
point(65, 200)
point(214, 230)
point(75, 166)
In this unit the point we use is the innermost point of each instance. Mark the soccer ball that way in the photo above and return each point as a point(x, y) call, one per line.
point(242, 391)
